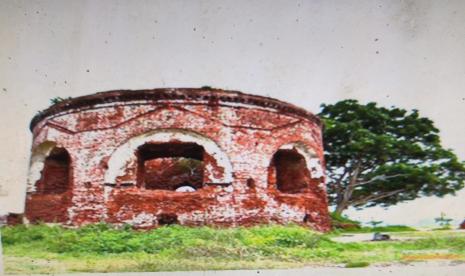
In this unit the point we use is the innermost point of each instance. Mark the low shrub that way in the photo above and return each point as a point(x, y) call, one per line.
point(342, 222)
point(356, 264)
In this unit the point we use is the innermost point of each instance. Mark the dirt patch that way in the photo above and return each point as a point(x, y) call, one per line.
point(426, 257)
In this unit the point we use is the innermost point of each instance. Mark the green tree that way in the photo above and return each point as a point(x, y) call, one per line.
point(382, 156)
point(443, 221)
point(375, 223)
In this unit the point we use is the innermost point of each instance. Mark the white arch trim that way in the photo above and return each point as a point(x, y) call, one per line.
point(120, 157)
point(311, 158)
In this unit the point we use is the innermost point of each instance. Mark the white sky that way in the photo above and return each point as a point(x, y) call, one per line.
point(404, 53)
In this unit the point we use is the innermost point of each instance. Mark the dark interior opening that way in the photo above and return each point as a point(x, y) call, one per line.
point(169, 166)
point(167, 219)
point(292, 175)
point(55, 176)
point(251, 183)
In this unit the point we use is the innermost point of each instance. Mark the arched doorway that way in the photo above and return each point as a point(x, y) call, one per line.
point(294, 168)
point(55, 175)
point(292, 175)
point(171, 166)
point(49, 184)
point(136, 161)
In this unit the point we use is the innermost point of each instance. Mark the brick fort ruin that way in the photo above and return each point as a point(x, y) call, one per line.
point(189, 156)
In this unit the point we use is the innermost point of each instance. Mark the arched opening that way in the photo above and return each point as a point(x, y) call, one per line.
point(170, 166)
point(139, 160)
point(55, 175)
point(49, 183)
point(291, 174)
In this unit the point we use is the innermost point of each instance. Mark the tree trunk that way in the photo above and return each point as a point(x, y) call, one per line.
point(343, 203)
point(340, 208)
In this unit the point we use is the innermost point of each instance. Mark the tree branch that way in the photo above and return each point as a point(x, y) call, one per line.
point(378, 177)
point(342, 202)
point(374, 197)
point(338, 183)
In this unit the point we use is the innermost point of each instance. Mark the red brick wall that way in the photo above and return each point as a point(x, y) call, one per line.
point(247, 134)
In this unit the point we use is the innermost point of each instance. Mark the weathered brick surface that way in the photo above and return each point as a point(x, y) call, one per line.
point(240, 135)
point(3, 219)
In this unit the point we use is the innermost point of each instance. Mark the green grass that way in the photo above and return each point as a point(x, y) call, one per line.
point(342, 224)
point(443, 228)
point(102, 248)
point(388, 228)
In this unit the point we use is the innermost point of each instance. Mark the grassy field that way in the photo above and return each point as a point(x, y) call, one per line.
point(101, 248)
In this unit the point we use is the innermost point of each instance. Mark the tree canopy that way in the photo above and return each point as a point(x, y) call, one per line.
point(382, 156)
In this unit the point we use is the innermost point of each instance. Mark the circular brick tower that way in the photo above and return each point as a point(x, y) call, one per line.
point(189, 156)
